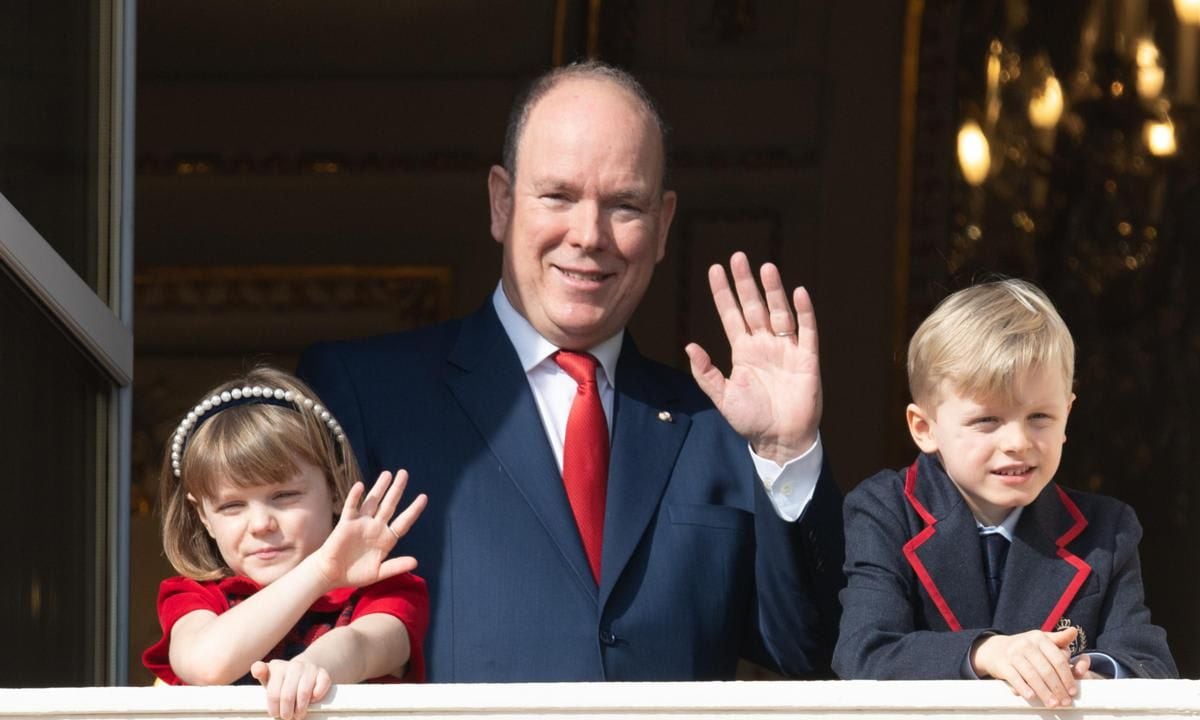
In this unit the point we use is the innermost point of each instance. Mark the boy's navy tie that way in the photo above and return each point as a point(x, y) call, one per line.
point(995, 553)
point(585, 454)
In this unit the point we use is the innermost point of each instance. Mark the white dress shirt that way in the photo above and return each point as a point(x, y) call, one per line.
point(1005, 528)
point(790, 486)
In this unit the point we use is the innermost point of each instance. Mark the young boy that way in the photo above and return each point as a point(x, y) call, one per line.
point(973, 562)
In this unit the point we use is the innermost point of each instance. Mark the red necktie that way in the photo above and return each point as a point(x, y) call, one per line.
point(585, 454)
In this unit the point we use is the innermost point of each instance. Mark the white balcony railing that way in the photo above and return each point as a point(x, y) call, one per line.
point(857, 700)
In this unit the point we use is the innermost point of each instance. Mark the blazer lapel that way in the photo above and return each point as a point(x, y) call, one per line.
point(945, 555)
point(487, 380)
point(1042, 576)
point(644, 447)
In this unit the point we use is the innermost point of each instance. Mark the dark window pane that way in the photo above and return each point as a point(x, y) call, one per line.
point(53, 483)
point(48, 129)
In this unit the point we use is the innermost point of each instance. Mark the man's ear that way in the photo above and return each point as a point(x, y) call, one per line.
point(199, 508)
point(500, 201)
point(666, 213)
point(920, 426)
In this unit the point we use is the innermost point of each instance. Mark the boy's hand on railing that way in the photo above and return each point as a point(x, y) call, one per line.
point(356, 552)
point(291, 686)
point(1034, 664)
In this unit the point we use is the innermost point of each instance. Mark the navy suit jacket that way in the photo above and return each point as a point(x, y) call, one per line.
point(697, 569)
point(916, 597)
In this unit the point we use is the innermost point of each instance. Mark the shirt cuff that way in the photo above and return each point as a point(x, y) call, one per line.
point(790, 486)
point(1106, 665)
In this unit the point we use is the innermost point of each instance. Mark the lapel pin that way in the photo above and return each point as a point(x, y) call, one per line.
point(665, 416)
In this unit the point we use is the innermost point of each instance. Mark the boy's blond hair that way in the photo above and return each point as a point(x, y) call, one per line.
point(981, 338)
point(249, 445)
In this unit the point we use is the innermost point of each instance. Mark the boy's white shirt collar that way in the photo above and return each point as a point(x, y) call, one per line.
point(533, 349)
point(1007, 528)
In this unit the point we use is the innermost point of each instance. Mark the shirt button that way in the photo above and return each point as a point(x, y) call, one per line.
point(607, 637)
point(787, 489)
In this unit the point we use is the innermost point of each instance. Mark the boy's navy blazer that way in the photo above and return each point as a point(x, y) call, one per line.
point(697, 568)
point(916, 597)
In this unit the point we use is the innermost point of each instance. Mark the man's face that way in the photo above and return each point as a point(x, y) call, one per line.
point(999, 453)
point(585, 220)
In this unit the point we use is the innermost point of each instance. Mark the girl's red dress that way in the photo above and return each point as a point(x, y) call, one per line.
point(404, 597)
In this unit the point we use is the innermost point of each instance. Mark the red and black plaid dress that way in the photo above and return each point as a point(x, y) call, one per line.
point(403, 597)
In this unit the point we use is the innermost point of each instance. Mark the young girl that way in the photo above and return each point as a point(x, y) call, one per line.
point(279, 585)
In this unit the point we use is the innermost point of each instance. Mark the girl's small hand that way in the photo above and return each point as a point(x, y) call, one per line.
point(291, 686)
point(355, 553)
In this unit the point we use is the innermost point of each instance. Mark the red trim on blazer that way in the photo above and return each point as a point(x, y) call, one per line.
point(910, 550)
point(1082, 569)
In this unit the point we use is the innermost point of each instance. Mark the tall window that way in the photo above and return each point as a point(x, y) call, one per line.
point(65, 342)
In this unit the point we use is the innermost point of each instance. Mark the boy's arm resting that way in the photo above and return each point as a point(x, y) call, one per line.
point(1126, 633)
point(879, 637)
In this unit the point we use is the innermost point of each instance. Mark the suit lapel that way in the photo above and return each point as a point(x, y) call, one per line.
point(946, 555)
point(1042, 576)
point(644, 449)
point(487, 380)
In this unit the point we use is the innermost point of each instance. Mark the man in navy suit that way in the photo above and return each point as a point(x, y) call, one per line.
point(702, 549)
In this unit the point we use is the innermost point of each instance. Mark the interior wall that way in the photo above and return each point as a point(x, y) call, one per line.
point(373, 149)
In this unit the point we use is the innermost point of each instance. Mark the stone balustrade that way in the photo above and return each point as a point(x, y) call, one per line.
point(859, 700)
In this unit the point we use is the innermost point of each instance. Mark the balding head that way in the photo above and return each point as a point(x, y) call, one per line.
point(518, 117)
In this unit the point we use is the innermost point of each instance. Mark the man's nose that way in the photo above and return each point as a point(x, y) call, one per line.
point(589, 228)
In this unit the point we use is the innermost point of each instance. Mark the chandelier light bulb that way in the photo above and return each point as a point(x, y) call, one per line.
point(1150, 75)
point(1046, 104)
point(1150, 81)
point(1188, 11)
point(1160, 138)
point(1147, 53)
point(974, 155)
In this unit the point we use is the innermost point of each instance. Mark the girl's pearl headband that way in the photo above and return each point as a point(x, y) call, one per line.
point(245, 396)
